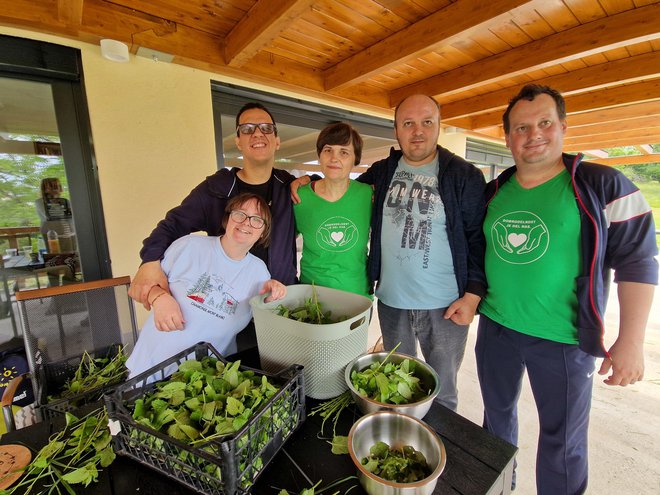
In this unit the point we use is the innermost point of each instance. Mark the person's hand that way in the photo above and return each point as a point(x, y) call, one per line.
point(277, 290)
point(167, 313)
point(148, 276)
point(463, 309)
point(295, 184)
point(626, 363)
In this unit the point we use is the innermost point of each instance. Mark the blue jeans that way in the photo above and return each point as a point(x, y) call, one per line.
point(561, 378)
point(442, 343)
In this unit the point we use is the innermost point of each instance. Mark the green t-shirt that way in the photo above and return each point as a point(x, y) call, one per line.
point(335, 238)
point(533, 259)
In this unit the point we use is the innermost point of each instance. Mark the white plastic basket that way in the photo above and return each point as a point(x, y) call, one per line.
point(323, 350)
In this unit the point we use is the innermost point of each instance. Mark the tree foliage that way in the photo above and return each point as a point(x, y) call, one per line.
point(648, 172)
point(20, 186)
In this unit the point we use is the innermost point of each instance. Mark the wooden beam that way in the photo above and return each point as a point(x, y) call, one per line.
point(614, 96)
point(264, 22)
point(70, 11)
point(624, 138)
point(589, 78)
point(632, 26)
point(446, 26)
point(628, 160)
point(609, 127)
point(615, 114)
point(645, 149)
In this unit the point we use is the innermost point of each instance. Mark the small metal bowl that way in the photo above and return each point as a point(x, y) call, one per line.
point(427, 376)
point(396, 430)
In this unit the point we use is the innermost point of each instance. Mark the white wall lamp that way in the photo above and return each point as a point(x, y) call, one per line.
point(114, 50)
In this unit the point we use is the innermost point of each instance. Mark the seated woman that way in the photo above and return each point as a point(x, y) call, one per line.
point(211, 280)
point(334, 215)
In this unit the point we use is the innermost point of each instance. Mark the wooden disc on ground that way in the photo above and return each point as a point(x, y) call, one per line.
point(13, 458)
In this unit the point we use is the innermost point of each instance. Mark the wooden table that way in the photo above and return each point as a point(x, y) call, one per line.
point(477, 462)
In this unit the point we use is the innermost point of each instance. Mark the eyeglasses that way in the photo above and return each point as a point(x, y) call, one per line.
point(255, 221)
point(266, 128)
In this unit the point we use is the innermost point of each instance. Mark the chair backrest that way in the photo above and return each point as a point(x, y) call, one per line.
point(61, 323)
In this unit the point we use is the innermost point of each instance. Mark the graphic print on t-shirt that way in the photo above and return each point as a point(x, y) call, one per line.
point(519, 237)
point(337, 234)
point(412, 204)
point(212, 291)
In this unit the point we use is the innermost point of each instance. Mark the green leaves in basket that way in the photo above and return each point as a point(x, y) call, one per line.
point(204, 400)
point(310, 312)
point(94, 373)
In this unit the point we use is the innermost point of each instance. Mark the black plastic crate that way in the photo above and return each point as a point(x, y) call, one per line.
point(225, 466)
point(56, 374)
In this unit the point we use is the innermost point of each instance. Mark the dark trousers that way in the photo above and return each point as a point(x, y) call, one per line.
point(561, 378)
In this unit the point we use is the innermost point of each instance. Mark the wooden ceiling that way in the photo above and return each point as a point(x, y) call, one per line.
point(472, 55)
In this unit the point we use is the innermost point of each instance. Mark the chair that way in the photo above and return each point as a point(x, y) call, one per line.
point(61, 323)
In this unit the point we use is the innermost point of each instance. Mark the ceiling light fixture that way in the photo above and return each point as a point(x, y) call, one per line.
point(114, 50)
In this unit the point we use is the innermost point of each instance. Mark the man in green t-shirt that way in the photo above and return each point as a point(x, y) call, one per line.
point(553, 228)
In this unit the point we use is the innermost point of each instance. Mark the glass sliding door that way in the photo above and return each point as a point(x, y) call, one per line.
point(51, 220)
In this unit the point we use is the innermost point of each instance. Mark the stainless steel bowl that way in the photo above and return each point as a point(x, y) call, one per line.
point(427, 376)
point(396, 430)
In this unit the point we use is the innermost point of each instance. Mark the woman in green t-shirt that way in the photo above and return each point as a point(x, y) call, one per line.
point(334, 216)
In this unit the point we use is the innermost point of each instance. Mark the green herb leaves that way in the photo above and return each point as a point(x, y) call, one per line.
point(310, 312)
point(404, 465)
point(389, 383)
point(73, 456)
point(203, 400)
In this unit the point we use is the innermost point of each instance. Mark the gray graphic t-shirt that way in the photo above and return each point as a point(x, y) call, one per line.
point(417, 270)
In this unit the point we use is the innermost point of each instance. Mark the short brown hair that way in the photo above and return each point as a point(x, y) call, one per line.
point(264, 211)
point(529, 92)
point(340, 133)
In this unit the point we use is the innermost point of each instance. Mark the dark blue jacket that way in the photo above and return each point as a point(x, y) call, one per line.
point(461, 186)
point(617, 233)
point(203, 209)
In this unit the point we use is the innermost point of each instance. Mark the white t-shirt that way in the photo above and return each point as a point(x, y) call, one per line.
point(213, 291)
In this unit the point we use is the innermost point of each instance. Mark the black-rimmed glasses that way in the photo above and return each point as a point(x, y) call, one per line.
point(249, 128)
point(255, 221)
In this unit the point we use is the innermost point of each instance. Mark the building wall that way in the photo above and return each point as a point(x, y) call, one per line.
point(153, 136)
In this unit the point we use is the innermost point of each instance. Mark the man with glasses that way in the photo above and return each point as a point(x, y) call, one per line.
point(202, 209)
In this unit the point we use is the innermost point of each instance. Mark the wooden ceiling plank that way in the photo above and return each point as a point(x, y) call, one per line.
point(628, 27)
point(641, 66)
point(628, 160)
point(585, 11)
point(216, 18)
point(384, 17)
point(263, 23)
point(613, 140)
point(615, 114)
point(532, 23)
point(70, 11)
point(557, 15)
point(584, 102)
point(409, 11)
point(612, 7)
point(640, 122)
point(442, 27)
point(510, 34)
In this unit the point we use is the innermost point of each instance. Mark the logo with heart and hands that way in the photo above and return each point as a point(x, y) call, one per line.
point(337, 234)
point(520, 237)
